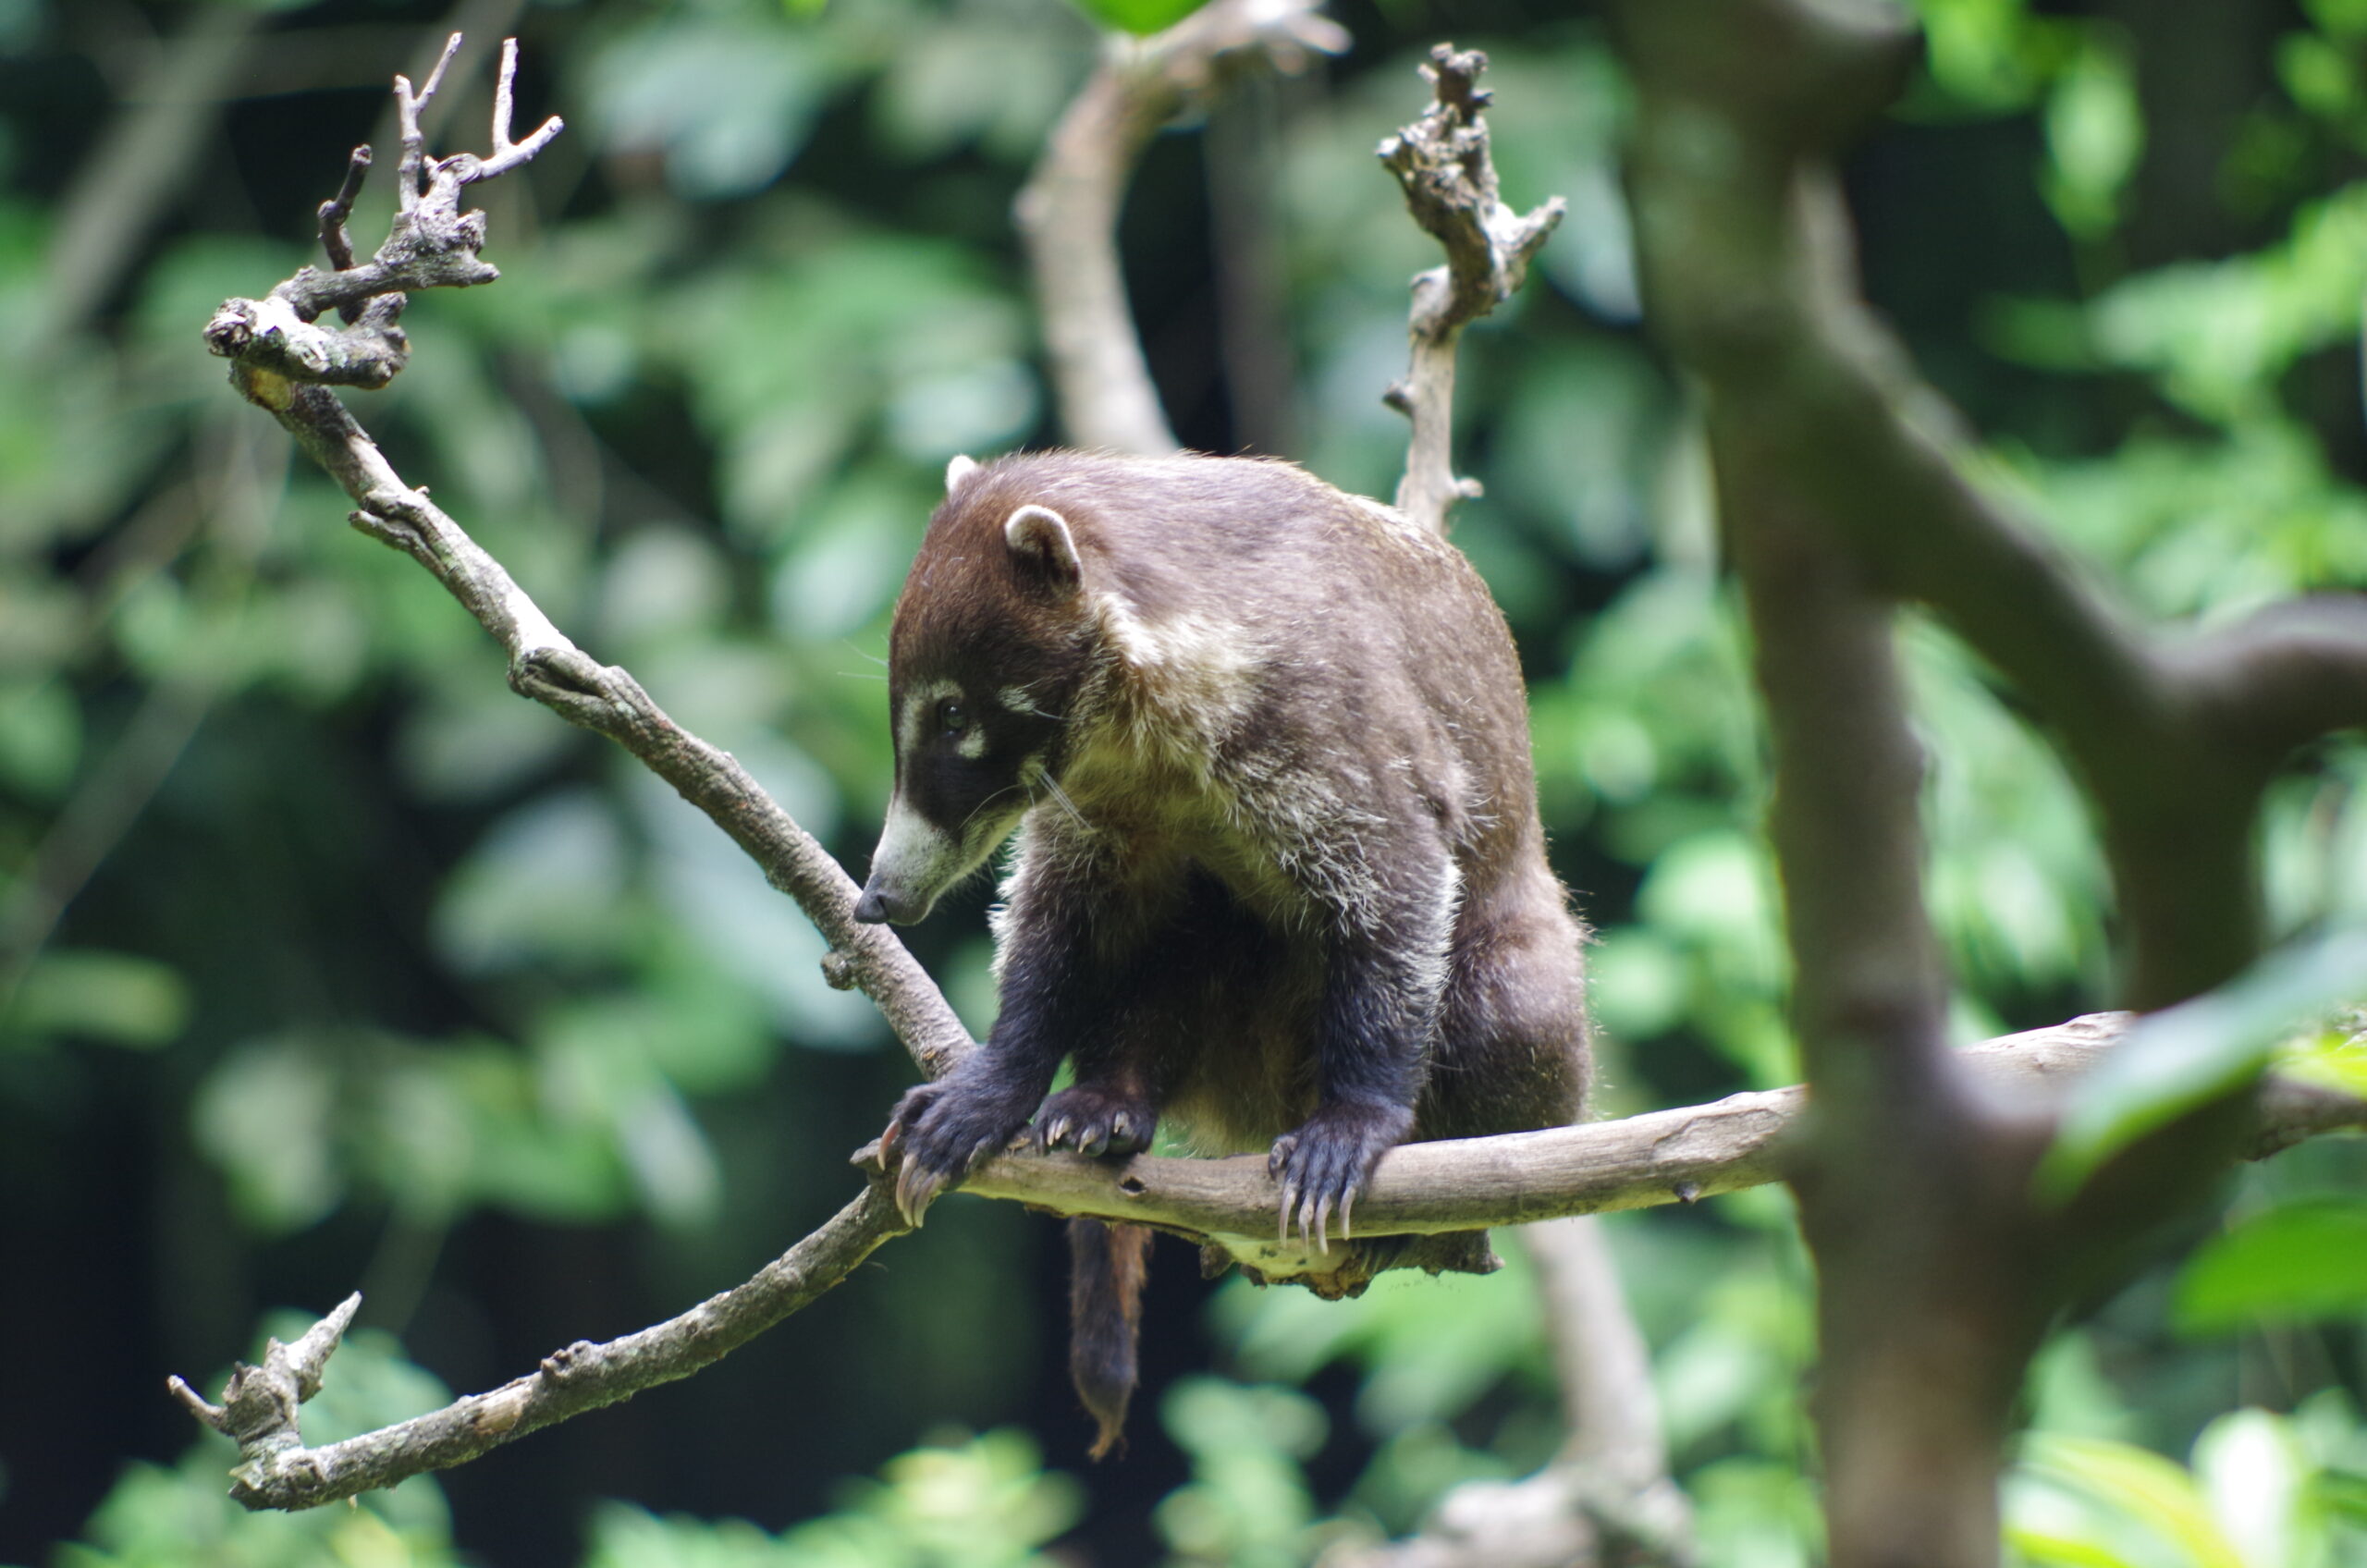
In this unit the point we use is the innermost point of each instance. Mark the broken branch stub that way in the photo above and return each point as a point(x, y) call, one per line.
point(1441, 162)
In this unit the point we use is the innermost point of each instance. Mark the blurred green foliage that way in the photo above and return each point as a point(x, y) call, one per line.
point(337, 960)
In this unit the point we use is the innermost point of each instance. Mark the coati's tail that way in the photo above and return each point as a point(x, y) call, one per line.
point(1105, 1266)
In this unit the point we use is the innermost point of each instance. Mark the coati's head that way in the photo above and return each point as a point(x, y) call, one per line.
point(991, 643)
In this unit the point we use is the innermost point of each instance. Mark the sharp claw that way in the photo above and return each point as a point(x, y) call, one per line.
point(1094, 1145)
point(1289, 1198)
point(1347, 1201)
point(904, 1194)
point(1322, 1222)
point(916, 1190)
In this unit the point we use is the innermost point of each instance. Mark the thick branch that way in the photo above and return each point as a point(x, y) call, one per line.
point(276, 1471)
point(1937, 1275)
point(1676, 1156)
point(1068, 212)
point(1663, 1157)
point(1442, 162)
point(1748, 269)
point(2284, 676)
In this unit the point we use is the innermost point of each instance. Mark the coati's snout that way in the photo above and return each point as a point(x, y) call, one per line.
point(915, 862)
point(978, 685)
point(963, 775)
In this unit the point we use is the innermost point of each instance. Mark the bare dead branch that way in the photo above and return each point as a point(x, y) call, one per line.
point(337, 209)
point(275, 1470)
point(1442, 161)
point(276, 348)
point(408, 103)
point(1667, 1156)
point(1662, 1157)
point(1068, 212)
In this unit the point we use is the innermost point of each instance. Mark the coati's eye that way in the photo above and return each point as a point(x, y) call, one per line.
point(951, 717)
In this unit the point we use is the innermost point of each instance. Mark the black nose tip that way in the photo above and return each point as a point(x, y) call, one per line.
point(871, 909)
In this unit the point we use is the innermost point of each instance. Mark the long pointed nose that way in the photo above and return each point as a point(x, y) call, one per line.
point(881, 904)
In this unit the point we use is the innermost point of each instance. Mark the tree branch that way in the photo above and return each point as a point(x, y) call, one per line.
point(283, 359)
point(1749, 274)
point(1838, 495)
point(1667, 1156)
point(1068, 212)
point(275, 1470)
point(1442, 161)
point(1419, 1189)
point(2284, 675)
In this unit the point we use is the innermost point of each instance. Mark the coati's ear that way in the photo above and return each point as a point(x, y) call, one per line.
point(957, 471)
point(1039, 537)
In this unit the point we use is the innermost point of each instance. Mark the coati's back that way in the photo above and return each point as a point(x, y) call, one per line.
point(1280, 878)
point(1258, 604)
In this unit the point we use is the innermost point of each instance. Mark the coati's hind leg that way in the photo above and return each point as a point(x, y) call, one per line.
point(1512, 1055)
point(1514, 1042)
point(1387, 965)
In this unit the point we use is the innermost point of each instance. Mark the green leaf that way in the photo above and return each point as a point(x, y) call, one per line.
point(2150, 1491)
point(40, 737)
point(2094, 135)
point(2298, 1260)
point(2192, 1054)
point(112, 997)
point(1141, 17)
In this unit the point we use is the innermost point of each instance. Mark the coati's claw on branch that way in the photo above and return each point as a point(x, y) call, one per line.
point(1326, 1163)
point(1094, 1121)
point(939, 1133)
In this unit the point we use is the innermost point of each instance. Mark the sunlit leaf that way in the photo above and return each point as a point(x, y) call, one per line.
point(2094, 134)
point(2155, 1494)
point(1139, 16)
point(2298, 1260)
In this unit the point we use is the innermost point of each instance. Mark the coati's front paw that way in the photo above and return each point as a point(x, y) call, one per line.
point(941, 1132)
point(1328, 1160)
point(1095, 1119)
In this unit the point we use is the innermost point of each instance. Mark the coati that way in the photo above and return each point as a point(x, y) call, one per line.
point(1281, 882)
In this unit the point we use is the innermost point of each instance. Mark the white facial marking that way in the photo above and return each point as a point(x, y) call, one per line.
point(916, 858)
point(919, 712)
point(972, 743)
point(1017, 700)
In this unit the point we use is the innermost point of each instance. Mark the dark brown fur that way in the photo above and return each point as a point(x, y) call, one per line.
point(1281, 882)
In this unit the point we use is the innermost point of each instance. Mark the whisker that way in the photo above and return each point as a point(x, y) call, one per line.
point(991, 800)
point(1060, 795)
